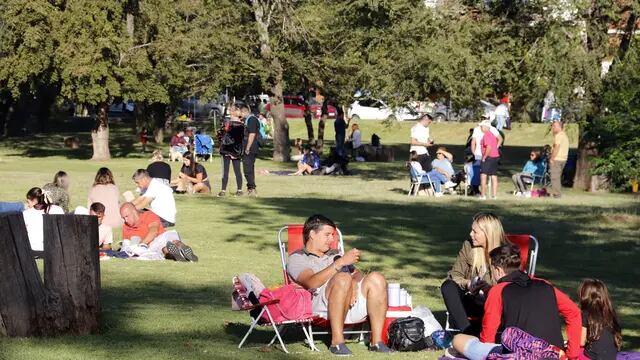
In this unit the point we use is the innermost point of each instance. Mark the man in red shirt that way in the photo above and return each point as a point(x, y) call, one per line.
point(146, 225)
point(530, 304)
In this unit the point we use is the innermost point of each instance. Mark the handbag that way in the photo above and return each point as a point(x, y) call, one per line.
point(407, 334)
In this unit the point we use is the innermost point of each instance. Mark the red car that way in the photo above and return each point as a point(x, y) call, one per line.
point(294, 108)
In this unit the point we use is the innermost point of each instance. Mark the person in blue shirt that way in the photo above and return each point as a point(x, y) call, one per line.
point(310, 161)
point(533, 167)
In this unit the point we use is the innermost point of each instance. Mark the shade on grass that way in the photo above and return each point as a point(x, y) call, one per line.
point(168, 310)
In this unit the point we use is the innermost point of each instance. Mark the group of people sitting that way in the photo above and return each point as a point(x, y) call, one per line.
point(143, 219)
point(485, 293)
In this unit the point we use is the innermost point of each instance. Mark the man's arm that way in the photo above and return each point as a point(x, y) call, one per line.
point(554, 152)
point(486, 151)
point(153, 232)
point(492, 314)
point(250, 140)
point(141, 202)
point(313, 281)
point(415, 141)
point(447, 155)
point(571, 314)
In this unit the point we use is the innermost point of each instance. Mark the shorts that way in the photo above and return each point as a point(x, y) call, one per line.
point(476, 350)
point(356, 313)
point(489, 166)
point(161, 241)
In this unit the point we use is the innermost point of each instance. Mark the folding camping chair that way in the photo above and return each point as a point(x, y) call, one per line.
point(528, 245)
point(204, 146)
point(293, 243)
point(278, 327)
point(417, 179)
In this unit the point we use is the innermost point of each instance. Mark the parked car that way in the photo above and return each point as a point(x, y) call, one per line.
point(442, 112)
point(202, 109)
point(373, 109)
point(294, 108)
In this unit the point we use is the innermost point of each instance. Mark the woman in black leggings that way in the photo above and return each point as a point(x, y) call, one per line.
point(231, 150)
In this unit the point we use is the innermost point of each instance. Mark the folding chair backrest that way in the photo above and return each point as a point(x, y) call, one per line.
point(528, 251)
point(295, 241)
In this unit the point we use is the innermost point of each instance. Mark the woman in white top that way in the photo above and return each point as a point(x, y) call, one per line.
point(37, 205)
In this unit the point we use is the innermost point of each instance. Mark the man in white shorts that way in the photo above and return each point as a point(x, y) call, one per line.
point(341, 293)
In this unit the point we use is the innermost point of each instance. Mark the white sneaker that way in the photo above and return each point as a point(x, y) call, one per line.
point(518, 194)
point(449, 184)
point(482, 197)
point(438, 194)
point(527, 194)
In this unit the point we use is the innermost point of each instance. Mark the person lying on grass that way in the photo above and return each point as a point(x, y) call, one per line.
point(341, 293)
point(157, 242)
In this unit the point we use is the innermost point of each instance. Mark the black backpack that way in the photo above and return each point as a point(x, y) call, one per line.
point(407, 334)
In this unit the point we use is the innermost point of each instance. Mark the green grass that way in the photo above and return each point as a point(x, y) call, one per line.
point(167, 310)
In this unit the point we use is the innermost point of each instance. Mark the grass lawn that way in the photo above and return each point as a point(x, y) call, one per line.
point(168, 310)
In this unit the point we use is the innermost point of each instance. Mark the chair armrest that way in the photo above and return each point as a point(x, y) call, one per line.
point(263, 303)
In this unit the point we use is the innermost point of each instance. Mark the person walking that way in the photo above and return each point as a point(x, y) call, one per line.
point(558, 158)
point(231, 139)
point(421, 140)
point(250, 146)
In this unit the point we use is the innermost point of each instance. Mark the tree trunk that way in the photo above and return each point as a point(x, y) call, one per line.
point(21, 290)
point(276, 83)
point(100, 136)
point(320, 142)
point(308, 121)
point(72, 273)
point(586, 150)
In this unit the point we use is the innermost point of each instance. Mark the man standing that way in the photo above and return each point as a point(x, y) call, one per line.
point(421, 140)
point(558, 158)
point(156, 195)
point(341, 293)
point(250, 146)
point(476, 148)
point(158, 243)
point(530, 304)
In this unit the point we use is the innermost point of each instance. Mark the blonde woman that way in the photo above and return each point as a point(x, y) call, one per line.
point(470, 278)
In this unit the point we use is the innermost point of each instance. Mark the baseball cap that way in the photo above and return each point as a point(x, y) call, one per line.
point(485, 122)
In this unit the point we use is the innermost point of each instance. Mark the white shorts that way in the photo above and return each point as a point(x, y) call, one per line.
point(161, 241)
point(356, 313)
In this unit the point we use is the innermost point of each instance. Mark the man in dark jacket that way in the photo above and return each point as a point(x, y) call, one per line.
point(527, 303)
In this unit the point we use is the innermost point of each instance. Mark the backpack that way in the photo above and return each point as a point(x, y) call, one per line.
point(261, 135)
point(295, 303)
point(407, 334)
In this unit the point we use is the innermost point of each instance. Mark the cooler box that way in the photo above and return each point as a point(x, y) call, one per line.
point(394, 312)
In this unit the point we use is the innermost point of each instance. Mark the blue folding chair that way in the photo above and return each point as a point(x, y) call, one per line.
point(418, 179)
point(204, 146)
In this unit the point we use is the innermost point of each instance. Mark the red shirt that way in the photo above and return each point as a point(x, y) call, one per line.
point(141, 228)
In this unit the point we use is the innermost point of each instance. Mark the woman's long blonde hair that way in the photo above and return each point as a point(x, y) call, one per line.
point(491, 225)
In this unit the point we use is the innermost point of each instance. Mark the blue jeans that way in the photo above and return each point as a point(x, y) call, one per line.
point(11, 207)
point(476, 350)
point(437, 179)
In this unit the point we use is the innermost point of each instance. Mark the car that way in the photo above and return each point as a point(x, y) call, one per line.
point(202, 109)
point(294, 108)
point(442, 112)
point(374, 109)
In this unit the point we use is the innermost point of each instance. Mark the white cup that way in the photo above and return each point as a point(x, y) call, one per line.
point(135, 240)
point(403, 297)
point(393, 293)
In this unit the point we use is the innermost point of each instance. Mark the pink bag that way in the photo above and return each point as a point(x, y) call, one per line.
point(295, 303)
point(539, 193)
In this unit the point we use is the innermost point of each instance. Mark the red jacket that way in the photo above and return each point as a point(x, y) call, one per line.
point(532, 305)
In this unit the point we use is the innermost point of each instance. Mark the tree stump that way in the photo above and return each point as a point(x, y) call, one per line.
point(21, 291)
point(69, 300)
point(72, 273)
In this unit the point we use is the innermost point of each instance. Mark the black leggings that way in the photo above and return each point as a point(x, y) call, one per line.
point(236, 170)
point(460, 306)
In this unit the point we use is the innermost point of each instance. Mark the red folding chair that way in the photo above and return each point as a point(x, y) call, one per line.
point(294, 242)
point(528, 245)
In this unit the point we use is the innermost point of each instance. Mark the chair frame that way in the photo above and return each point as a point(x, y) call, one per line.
point(416, 181)
point(544, 180)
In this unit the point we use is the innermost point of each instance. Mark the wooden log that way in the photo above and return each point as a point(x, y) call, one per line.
point(72, 274)
point(21, 290)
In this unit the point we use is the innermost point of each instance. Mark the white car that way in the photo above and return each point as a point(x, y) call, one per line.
point(372, 109)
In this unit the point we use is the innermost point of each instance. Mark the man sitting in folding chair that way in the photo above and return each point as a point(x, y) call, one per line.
point(341, 293)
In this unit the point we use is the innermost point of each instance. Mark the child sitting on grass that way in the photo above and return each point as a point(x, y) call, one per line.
point(105, 233)
point(601, 333)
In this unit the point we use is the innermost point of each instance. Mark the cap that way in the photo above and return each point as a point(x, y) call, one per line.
point(485, 122)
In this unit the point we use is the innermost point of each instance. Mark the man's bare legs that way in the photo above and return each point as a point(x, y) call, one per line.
point(494, 185)
point(338, 295)
point(374, 289)
point(483, 184)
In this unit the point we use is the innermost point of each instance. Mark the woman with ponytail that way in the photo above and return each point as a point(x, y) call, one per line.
point(38, 204)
